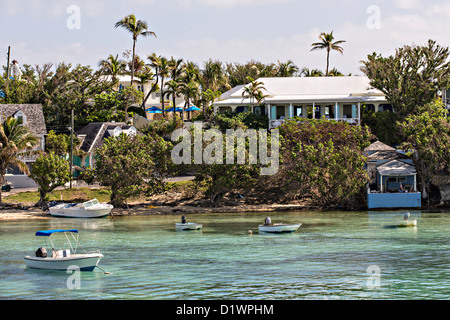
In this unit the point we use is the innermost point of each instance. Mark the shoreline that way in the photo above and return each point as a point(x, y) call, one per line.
point(10, 214)
point(145, 209)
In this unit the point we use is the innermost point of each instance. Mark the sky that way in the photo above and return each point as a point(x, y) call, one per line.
point(234, 31)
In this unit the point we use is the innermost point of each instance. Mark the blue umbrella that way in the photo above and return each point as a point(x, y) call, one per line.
point(176, 109)
point(153, 109)
point(193, 108)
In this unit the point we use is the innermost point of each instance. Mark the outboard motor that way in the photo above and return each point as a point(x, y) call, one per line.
point(41, 252)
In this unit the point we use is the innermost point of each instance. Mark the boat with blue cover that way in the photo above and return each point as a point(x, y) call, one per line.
point(69, 255)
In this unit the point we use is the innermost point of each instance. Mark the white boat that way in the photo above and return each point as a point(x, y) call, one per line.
point(188, 226)
point(62, 259)
point(407, 223)
point(279, 227)
point(89, 209)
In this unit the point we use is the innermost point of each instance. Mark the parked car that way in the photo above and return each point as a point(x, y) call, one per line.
point(7, 186)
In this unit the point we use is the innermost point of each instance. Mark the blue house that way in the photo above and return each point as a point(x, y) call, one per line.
point(393, 178)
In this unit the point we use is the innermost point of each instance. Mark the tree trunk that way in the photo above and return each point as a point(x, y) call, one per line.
point(328, 61)
point(149, 93)
point(2, 178)
point(162, 97)
point(132, 61)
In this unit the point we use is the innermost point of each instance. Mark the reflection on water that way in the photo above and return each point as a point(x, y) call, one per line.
point(327, 258)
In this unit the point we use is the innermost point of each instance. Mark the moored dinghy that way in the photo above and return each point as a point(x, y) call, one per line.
point(184, 225)
point(406, 222)
point(62, 259)
point(188, 226)
point(279, 228)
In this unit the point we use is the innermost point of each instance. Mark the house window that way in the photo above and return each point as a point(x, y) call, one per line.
point(21, 117)
point(397, 180)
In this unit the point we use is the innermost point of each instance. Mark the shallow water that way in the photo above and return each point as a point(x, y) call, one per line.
point(331, 256)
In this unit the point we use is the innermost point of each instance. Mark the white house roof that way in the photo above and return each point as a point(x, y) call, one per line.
point(292, 89)
point(395, 168)
point(379, 146)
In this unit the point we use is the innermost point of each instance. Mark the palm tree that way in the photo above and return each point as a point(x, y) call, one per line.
point(285, 69)
point(328, 44)
point(173, 89)
point(136, 28)
point(112, 66)
point(306, 72)
point(213, 76)
point(335, 73)
point(15, 140)
point(253, 91)
point(177, 68)
point(190, 90)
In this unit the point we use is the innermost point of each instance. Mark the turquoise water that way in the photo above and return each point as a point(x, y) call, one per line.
point(327, 258)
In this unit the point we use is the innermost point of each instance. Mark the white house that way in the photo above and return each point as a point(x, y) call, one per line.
point(33, 117)
point(337, 98)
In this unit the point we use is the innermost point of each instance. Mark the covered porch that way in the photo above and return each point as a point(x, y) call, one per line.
point(395, 187)
point(339, 111)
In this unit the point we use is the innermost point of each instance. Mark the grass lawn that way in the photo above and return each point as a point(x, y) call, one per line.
point(67, 195)
point(82, 194)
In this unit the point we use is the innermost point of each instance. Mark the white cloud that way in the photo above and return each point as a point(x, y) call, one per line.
point(235, 3)
point(407, 4)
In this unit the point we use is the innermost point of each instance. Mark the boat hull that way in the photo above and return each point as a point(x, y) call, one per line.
point(85, 262)
point(68, 213)
point(279, 228)
point(407, 223)
point(188, 226)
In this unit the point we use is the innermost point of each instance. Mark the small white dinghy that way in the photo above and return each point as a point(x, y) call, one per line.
point(279, 228)
point(407, 223)
point(89, 209)
point(188, 226)
point(62, 259)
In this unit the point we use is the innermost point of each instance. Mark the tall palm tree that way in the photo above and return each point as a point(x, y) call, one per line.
point(177, 68)
point(136, 28)
point(190, 90)
point(213, 76)
point(173, 89)
point(15, 140)
point(112, 66)
point(328, 44)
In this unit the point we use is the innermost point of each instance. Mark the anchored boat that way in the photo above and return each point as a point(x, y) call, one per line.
point(188, 226)
point(407, 223)
point(89, 209)
point(279, 228)
point(66, 256)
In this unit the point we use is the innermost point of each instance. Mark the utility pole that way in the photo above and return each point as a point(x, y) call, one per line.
point(7, 63)
point(71, 150)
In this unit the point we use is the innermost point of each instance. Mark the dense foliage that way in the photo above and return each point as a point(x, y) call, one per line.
point(427, 133)
point(131, 165)
point(15, 140)
point(49, 171)
point(410, 78)
point(323, 161)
